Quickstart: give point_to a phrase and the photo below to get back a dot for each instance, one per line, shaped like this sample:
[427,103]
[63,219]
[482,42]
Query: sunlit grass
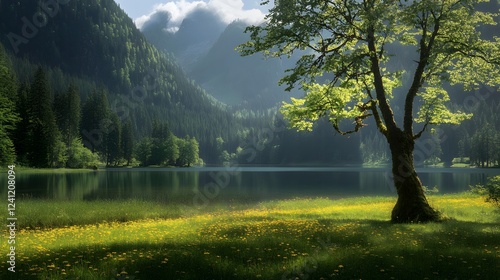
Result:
[35,213]
[285,239]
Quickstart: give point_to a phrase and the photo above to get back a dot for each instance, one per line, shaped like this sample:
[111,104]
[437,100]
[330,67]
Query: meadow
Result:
[303,238]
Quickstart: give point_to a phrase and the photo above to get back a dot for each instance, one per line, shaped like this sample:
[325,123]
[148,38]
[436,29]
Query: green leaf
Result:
[434,110]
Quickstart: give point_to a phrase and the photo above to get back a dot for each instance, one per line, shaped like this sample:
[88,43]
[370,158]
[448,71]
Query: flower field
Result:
[288,239]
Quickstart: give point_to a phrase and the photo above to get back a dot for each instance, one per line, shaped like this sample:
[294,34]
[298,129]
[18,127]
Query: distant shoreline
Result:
[138,168]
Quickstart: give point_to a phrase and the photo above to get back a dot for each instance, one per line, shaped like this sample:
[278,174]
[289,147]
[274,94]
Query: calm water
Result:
[200,185]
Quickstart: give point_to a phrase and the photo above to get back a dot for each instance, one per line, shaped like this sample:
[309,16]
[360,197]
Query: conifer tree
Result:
[95,122]
[113,138]
[8,115]
[21,141]
[127,141]
[42,130]
[68,113]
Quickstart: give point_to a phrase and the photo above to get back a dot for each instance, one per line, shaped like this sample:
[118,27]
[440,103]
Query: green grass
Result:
[285,239]
[42,214]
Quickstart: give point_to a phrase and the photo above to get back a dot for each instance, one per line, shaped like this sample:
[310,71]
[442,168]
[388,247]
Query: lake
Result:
[204,185]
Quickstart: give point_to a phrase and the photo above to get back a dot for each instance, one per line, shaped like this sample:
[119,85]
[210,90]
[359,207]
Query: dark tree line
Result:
[83,133]
[104,55]
[43,129]
[48,134]
[480,140]
[8,113]
[103,48]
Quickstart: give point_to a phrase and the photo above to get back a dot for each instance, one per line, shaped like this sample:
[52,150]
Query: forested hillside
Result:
[90,53]
[94,48]
[250,83]
[97,43]
[206,50]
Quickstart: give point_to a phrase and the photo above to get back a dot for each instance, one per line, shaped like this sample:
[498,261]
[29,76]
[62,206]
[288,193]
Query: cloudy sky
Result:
[228,10]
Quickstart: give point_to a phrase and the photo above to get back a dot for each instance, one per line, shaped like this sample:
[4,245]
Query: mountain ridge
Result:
[247,82]
[98,41]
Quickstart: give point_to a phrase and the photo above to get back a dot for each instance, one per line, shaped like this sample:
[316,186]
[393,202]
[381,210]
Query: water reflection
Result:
[74,186]
[221,184]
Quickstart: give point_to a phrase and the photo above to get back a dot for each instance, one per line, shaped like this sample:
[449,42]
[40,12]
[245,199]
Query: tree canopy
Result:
[348,51]
[8,115]
[350,68]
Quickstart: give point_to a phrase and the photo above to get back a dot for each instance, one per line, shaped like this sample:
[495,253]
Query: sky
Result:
[228,10]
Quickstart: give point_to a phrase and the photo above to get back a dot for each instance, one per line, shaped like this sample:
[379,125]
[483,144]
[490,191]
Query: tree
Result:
[127,141]
[81,157]
[373,149]
[497,150]
[58,157]
[171,149]
[188,151]
[349,72]
[193,151]
[21,133]
[483,146]
[159,134]
[8,115]
[68,114]
[43,134]
[113,140]
[95,122]
[143,150]
[183,152]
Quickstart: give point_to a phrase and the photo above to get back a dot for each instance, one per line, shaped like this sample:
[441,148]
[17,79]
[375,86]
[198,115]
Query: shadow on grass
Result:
[340,249]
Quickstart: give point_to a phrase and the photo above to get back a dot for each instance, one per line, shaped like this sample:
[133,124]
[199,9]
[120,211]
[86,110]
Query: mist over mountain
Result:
[192,41]
[205,46]
[250,82]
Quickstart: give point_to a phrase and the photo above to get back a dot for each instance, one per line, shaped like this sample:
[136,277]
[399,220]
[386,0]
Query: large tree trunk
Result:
[412,205]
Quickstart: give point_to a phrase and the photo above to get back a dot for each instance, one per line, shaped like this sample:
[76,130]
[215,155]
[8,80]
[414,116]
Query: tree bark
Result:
[412,205]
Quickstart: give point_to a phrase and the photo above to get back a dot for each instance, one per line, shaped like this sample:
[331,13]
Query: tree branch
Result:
[383,103]
[373,107]
[419,78]
[418,135]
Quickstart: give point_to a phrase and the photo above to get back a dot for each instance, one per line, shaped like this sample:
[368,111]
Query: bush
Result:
[429,191]
[478,189]
[465,160]
[81,157]
[59,155]
[434,160]
[491,190]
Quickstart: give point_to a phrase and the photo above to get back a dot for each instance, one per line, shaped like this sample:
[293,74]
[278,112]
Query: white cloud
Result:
[227,10]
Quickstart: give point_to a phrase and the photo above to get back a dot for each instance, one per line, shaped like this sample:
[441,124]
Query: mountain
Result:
[96,41]
[197,33]
[94,45]
[205,48]
[251,82]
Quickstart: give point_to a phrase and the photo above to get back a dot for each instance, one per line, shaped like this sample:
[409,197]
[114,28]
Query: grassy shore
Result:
[288,239]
